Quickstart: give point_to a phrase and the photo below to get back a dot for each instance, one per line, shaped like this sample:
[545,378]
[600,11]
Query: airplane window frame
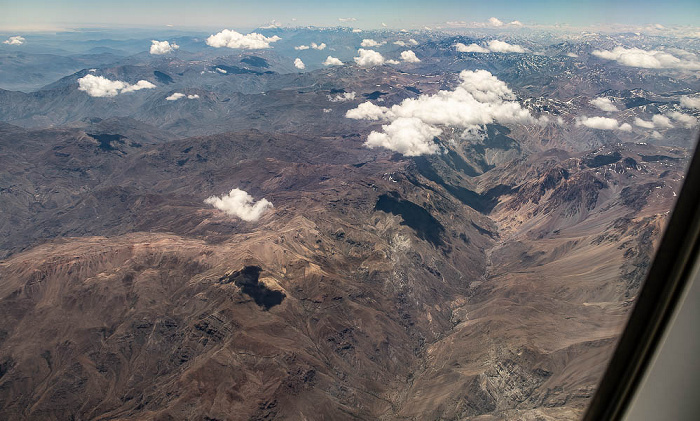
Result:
[665,283]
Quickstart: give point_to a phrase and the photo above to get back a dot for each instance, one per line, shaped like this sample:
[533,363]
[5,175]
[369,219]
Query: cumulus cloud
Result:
[371,43]
[497,46]
[345,96]
[603,123]
[408,136]
[162,47]
[100,86]
[493,46]
[357,31]
[572,55]
[492,22]
[650,59]
[177,95]
[299,64]
[233,39]
[332,61]
[240,204]
[319,47]
[141,84]
[369,111]
[604,104]
[690,102]
[302,47]
[471,48]
[657,122]
[495,22]
[688,121]
[409,57]
[406,43]
[347,19]
[220,70]
[368,58]
[16,40]
[480,99]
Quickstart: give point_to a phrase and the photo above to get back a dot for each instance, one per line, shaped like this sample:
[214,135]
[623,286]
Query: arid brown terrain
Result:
[378,287]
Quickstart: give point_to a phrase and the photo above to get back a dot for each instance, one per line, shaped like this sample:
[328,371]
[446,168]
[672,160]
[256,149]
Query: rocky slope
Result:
[487,284]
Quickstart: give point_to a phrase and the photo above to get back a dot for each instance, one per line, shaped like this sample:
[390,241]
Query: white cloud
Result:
[409,136]
[233,39]
[573,55]
[661,122]
[368,58]
[315,46]
[371,43]
[603,123]
[141,84]
[345,96]
[688,121]
[327,110]
[516,23]
[406,43]
[332,61]
[220,70]
[471,48]
[495,22]
[650,59]
[643,123]
[503,47]
[16,40]
[100,86]
[481,98]
[273,24]
[357,31]
[604,104]
[177,95]
[162,47]
[347,19]
[369,111]
[658,121]
[299,64]
[690,102]
[409,57]
[494,46]
[392,62]
[240,204]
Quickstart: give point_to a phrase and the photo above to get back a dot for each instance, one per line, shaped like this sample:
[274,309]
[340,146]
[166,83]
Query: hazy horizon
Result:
[41,15]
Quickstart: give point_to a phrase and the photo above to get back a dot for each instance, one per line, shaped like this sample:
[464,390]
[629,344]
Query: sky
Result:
[364,14]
